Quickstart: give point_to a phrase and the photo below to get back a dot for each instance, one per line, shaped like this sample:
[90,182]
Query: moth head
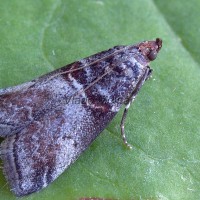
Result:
[150,49]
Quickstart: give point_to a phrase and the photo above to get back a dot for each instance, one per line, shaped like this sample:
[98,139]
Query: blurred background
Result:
[37,37]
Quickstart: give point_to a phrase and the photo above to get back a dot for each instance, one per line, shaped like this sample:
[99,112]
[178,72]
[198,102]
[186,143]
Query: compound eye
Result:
[152,55]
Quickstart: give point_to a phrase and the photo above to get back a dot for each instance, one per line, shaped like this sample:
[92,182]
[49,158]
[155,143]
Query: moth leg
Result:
[145,77]
[122,128]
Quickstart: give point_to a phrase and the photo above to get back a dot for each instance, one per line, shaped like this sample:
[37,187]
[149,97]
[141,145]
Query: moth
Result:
[48,122]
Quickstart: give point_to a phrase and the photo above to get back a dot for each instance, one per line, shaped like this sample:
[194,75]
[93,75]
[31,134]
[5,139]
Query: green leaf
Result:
[163,124]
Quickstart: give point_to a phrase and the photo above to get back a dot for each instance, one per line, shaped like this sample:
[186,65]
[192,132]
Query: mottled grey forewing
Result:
[60,129]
